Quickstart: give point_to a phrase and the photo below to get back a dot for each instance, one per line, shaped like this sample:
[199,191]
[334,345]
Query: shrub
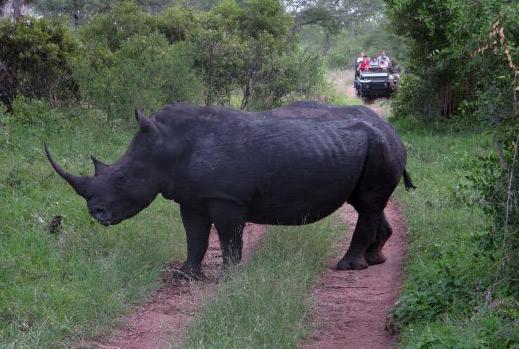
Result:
[176,22]
[293,75]
[415,98]
[116,26]
[36,55]
[146,72]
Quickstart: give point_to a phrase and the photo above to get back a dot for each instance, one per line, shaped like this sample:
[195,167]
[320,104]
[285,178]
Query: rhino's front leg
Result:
[198,225]
[229,219]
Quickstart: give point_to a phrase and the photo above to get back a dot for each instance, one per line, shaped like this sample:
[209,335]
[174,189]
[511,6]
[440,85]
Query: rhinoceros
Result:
[289,166]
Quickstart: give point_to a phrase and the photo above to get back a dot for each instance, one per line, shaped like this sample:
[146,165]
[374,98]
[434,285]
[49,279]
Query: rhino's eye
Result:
[120,178]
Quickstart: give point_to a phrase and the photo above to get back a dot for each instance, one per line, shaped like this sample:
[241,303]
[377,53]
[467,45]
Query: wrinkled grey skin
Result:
[290,166]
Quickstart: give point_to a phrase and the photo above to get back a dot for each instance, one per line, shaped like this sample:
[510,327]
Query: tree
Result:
[465,55]
[333,15]
[36,56]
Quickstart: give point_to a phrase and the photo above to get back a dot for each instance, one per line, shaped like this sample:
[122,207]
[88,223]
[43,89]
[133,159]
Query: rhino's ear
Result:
[98,165]
[145,124]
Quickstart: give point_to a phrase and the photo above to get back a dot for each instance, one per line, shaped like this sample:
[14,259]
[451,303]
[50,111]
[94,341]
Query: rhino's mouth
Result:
[109,222]
[105,223]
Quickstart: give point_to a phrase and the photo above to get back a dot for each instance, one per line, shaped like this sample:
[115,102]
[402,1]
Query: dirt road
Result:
[343,83]
[164,318]
[352,306]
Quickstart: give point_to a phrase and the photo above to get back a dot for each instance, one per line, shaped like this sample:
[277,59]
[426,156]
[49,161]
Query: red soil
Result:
[352,306]
[164,318]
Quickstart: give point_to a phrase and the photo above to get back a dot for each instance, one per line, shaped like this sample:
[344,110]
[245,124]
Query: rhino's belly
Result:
[298,209]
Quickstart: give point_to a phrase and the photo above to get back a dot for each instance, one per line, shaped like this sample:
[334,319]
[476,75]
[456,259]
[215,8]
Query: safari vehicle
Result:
[376,82]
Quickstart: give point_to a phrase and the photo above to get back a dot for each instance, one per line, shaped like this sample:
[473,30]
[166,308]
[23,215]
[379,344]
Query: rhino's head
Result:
[121,190]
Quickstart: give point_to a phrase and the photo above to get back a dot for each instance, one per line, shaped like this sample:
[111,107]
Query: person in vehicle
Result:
[358,61]
[374,62]
[383,57]
[364,65]
[383,63]
[360,58]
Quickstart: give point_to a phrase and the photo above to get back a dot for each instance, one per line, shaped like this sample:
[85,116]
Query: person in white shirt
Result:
[383,57]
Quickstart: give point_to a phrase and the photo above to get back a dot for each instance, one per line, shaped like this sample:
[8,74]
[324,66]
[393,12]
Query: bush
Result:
[116,26]
[176,22]
[415,98]
[36,56]
[145,72]
[290,76]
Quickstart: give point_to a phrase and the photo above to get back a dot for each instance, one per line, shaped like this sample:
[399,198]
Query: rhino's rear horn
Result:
[79,183]
[98,165]
[145,124]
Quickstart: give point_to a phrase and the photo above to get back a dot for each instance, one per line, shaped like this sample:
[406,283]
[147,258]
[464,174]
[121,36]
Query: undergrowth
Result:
[63,283]
[450,268]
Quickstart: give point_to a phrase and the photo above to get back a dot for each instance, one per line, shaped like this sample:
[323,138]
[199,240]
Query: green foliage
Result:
[208,55]
[116,26]
[451,46]
[414,98]
[37,55]
[81,8]
[450,267]
[63,286]
[30,112]
[287,78]
[146,71]
[176,22]
[464,56]
[236,46]
[369,38]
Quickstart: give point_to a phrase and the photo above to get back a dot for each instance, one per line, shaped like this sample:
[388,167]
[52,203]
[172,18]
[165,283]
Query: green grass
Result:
[265,304]
[448,268]
[57,288]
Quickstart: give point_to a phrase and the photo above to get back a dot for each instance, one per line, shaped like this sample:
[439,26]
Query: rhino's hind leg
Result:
[229,219]
[363,237]
[374,254]
[198,225]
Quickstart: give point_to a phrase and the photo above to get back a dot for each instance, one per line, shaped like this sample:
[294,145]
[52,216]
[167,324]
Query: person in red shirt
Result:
[364,65]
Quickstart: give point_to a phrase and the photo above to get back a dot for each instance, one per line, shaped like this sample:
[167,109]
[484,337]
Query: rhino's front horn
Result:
[98,165]
[79,183]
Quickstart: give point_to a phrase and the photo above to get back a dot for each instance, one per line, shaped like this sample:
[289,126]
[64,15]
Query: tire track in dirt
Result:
[164,318]
[352,306]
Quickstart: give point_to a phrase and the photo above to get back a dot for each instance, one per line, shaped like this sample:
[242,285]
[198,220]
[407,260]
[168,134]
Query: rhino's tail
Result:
[407,181]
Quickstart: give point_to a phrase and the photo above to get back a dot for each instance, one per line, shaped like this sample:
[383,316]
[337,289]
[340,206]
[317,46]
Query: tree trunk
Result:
[17,9]
[327,42]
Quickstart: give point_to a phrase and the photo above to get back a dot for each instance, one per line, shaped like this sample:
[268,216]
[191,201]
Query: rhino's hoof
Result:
[188,273]
[375,258]
[352,264]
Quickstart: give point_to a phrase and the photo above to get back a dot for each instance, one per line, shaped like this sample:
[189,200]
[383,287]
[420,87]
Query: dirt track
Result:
[352,306]
[164,318]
